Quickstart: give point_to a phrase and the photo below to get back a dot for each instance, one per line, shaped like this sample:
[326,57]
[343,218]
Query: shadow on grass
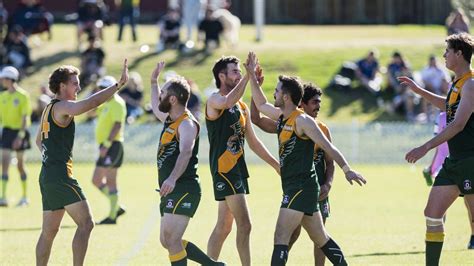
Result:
[32,228]
[51,60]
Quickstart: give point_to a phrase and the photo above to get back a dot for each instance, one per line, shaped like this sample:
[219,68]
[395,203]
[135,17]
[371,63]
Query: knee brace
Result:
[433,222]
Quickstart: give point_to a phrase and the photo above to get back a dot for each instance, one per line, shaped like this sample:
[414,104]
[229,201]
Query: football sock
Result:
[179,259]
[4,186]
[196,254]
[434,245]
[23,184]
[333,252]
[280,255]
[113,198]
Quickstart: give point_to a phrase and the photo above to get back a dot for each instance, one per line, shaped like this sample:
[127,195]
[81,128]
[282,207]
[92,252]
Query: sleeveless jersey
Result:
[168,152]
[296,152]
[57,142]
[462,145]
[319,156]
[226,139]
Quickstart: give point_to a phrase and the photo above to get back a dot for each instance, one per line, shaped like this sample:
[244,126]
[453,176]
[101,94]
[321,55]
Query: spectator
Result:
[32,16]
[403,99]
[212,28]
[368,73]
[17,52]
[129,11]
[92,62]
[43,100]
[230,23]
[91,16]
[169,30]
[457,22]
[191,10]
[436,80]
[3,19]
[194,102]
[132,93]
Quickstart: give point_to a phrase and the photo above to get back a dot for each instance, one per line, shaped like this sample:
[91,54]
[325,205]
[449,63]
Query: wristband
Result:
[21,134]
[107,144]
[346,169]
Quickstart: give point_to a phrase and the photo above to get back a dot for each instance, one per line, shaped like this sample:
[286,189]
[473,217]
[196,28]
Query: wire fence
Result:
[373,143]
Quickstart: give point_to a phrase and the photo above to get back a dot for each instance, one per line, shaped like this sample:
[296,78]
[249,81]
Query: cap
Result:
[106,82]
[9,72]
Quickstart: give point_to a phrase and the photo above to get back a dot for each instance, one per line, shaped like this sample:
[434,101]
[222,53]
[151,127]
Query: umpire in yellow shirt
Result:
[109,135]
[15,111]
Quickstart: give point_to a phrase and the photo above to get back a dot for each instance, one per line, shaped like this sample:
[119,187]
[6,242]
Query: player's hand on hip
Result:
[103,151]
[353,176]
[416,154]
[167,187]
[17,143]
[324,192]
[124,78]
[156,72]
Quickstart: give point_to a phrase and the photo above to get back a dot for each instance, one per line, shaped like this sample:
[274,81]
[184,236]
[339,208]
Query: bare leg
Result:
[319,257]
[221,230]
[81,214]
[238,206]
[51,223]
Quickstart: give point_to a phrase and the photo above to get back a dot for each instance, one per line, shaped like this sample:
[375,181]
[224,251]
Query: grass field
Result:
[379,224]
[314,53]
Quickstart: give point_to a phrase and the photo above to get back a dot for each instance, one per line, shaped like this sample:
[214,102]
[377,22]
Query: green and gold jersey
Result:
[226,139]
[56,141]
[319,156]
[168,152]
[13,106]
[110,112]
[462,145]
[296,152]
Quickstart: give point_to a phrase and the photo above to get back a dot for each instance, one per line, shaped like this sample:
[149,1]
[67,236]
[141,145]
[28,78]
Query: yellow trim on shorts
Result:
[75,191]
[178,256]
[435,237]
[179,201]
[228,181]
[294,197]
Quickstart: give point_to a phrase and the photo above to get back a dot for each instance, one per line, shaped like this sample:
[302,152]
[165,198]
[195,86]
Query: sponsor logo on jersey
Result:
[220,186]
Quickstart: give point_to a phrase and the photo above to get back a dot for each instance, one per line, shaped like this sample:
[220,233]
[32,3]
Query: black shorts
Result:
[8,137]
[459,173]
[113,158]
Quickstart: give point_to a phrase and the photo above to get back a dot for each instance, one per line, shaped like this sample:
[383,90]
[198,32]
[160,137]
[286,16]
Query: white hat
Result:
[106,82]
[9,72]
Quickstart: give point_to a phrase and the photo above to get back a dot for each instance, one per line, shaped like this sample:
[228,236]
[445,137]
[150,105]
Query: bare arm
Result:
[266,124]
[326,187]
[434,99]
[113,132]
[257,146]
[38,137]
[307,126]
[464,111]
[73,108]
[188,131]
[221,102]
[257,94]
[156,91]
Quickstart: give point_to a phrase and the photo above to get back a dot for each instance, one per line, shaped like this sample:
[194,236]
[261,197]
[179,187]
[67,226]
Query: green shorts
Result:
[114,156]
[301,197]
[457,172]
[183,203]
[324,207]
[56,195]
[227,185]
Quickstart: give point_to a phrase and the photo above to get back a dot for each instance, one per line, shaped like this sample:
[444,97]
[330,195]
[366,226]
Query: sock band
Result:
[178,256]
[435,237]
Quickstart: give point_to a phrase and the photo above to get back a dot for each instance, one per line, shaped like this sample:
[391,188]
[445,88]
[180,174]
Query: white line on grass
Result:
[143,237]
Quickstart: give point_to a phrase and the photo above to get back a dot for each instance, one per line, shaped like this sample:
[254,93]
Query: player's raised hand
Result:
[167,187]
[259,74]
[416,154]
[251,63]
[124,78]
[156,72]
[404,80]
[353,176]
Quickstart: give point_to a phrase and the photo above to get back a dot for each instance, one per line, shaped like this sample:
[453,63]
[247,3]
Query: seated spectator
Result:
[32,16]
[91,17]
[169,31]
[457,22]
[194,102]
[43,100]
[132,93]
[368,73]
[212,29]
[129,10]
[3,19]
[436,80]
[17,52]
[92,62]
[230,23]
[404,99]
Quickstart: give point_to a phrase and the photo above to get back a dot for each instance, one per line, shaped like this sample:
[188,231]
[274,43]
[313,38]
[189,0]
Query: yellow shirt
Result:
[110,112]
[13,106]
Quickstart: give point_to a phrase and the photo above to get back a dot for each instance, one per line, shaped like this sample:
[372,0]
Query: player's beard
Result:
[165,105]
